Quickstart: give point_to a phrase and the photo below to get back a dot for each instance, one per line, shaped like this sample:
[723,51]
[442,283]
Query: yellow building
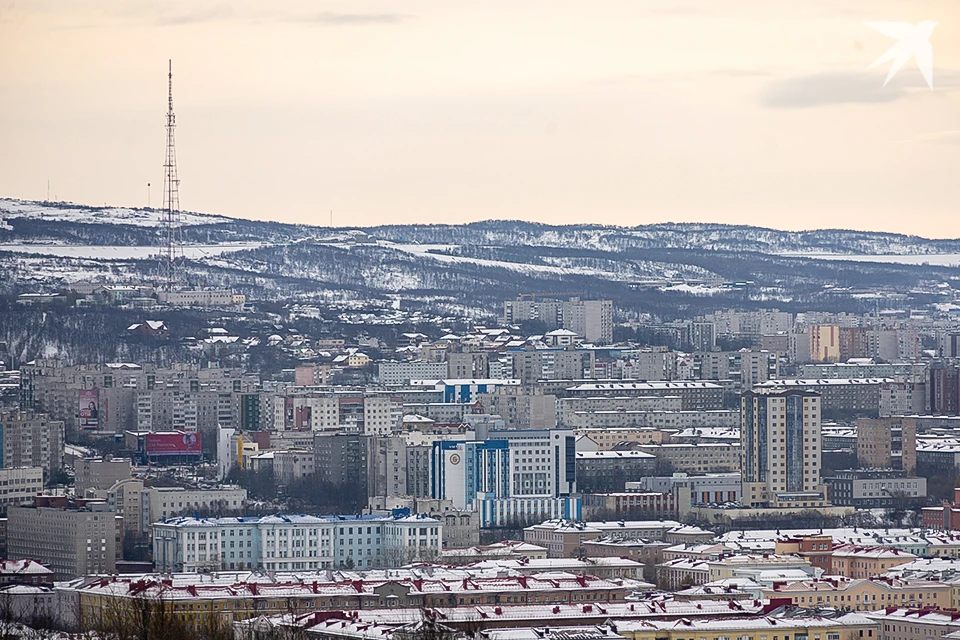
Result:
[846,627]
[865,595]
[851,561]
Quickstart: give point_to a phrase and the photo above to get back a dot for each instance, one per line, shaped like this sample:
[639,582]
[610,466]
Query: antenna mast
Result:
[171,259]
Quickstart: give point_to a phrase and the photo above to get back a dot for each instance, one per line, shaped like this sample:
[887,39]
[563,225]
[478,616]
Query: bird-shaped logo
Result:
[913,41]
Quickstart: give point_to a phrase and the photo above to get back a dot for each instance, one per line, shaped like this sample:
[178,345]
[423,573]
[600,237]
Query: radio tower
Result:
[171,258]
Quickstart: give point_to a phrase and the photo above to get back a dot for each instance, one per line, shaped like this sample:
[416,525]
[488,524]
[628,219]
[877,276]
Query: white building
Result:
[294,542]
[397,373]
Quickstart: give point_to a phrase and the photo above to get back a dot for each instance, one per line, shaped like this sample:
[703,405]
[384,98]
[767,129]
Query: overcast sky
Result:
[608,111]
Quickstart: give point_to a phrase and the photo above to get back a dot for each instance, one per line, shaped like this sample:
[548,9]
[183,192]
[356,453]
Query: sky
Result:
[623,112]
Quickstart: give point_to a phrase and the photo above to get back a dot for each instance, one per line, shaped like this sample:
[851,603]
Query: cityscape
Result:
[382,422]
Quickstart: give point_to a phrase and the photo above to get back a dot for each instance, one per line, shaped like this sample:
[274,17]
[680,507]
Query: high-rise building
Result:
[780,448]
[887,443]
[73,539]
[591,319]
[512,476]
[30,439]
[824,343]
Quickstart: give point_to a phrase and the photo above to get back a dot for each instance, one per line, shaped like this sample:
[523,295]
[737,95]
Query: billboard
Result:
[89,409]
[172,444]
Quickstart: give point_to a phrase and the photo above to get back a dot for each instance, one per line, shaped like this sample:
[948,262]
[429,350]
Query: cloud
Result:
[949,137]
[346,19]
[148,14]
[848,87]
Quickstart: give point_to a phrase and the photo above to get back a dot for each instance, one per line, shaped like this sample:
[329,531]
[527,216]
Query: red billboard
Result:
[172,444]
[89,408]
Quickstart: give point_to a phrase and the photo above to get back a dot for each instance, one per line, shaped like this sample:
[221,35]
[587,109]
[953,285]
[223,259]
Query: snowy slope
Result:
[69,212]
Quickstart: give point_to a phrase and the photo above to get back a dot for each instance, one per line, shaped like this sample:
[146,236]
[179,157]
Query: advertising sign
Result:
[89,409]
[172,444]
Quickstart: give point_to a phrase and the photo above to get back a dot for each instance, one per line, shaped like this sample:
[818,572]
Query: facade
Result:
[71,541]
[694,395]
[30,439]
[565,538]
[780,438]
[512,476]
[871,594]
[125,498]
[887,443]
[943,518]
[97,473]
[19,485]
[521,410]
[704,489]
[345,459]
[845,396]
[707,457]
[634,504]
[398,373]
[294,542]
[851,561]
[609,471]
[591,319]
[292,465]
[160,503]
[873,488]
[232,596]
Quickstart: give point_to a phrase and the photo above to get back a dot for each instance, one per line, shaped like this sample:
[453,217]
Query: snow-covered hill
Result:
[69,212]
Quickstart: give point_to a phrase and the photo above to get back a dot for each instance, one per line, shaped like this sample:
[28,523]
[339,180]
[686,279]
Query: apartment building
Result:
[30,439]
[591,319]
[71,539]
[521,410]
[780,440]
[160,503]
[294,542]
[567,407]
[100,474]
[609,471]
[842,396]
[887,443]
[694,395]
[19,485]
[393,373]
[653,419]
[291,465]
[125,498]
[598,439]
[706,457]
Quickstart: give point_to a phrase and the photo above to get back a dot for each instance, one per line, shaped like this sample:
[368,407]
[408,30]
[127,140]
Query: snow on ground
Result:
[694,289]
[423,251]
[111,252]
[941,259]
[69,212]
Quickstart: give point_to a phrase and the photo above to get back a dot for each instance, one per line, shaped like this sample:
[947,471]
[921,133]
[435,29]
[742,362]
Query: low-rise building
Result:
[873,488]
[871,594]
[292,542]
[564,538]
[852,561]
